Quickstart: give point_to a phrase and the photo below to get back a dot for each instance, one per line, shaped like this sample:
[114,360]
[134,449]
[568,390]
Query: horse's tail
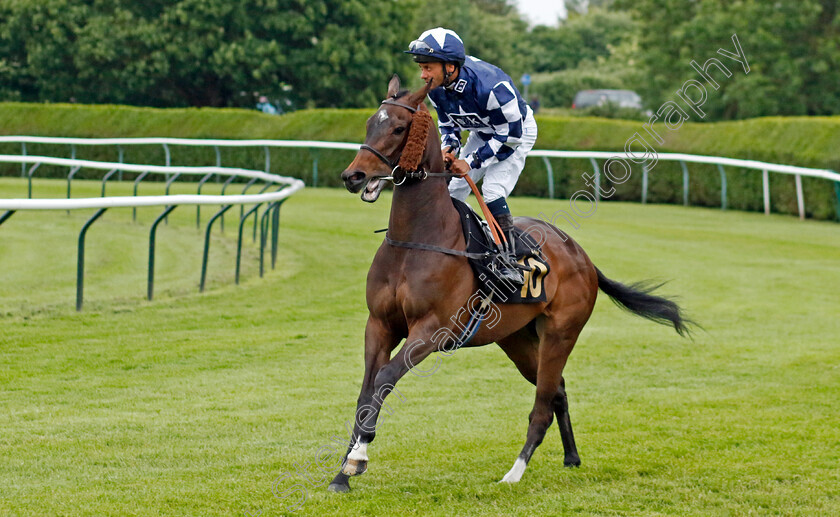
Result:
[637,299]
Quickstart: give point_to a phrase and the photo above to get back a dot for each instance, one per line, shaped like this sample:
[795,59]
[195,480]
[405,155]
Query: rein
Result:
[409,166]
[412,154]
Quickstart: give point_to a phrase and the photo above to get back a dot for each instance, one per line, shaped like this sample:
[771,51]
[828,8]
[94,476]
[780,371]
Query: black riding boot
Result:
[509,269]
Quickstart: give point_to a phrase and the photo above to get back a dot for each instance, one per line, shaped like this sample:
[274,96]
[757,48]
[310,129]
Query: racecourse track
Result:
[201,404]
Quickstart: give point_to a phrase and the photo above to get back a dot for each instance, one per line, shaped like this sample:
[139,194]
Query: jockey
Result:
[469,94]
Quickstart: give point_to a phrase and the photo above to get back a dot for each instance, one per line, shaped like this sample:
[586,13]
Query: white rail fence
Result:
[764,167]
[283,187]
[593,156]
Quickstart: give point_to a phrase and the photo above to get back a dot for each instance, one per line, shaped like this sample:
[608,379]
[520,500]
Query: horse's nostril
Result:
[353,176]
[353,180]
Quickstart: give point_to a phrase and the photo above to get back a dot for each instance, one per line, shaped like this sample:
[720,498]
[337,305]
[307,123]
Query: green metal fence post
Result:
[31,172]
[722,187]
[800,197]
[80,269]
[224,187]
[837,198]
[72,173]
[198,192]
[106,178]
[275,232]
[207,245]
[6,215]
[239,240]
[765,187]
[550,173]
[136,184]
[168,184]
[597,172]
[247,186]
[150,287]
[266,187]
[264,237]
[120,158]
[168,158]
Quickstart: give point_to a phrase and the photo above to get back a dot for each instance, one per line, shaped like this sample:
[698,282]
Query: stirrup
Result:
[512,276]
[508,254]
[509,270]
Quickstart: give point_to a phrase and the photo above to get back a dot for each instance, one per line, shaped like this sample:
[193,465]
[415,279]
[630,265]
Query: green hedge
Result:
[804,141]
[102,121]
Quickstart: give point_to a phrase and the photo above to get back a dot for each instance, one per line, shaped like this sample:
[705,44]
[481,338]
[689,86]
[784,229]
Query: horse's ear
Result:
[418,96]
[393,85]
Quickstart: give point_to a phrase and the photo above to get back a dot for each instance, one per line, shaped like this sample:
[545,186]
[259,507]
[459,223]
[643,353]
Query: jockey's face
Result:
[434,72]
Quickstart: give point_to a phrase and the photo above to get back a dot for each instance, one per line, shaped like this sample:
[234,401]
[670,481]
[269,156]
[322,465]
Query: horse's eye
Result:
[399,131]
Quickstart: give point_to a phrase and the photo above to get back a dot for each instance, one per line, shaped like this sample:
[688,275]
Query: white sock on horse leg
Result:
[359,452]
[515,473]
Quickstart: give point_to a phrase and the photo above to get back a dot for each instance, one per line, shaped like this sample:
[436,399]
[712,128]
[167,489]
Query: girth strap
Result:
[430,247]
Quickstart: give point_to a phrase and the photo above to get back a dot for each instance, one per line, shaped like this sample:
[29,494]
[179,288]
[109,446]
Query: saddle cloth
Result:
[528,253]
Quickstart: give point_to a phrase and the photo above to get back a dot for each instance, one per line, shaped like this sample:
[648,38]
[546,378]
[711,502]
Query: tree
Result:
[791,46]
[576,6]
[581,7]
[492,30]
[14,80]
[581,38]
[200,52]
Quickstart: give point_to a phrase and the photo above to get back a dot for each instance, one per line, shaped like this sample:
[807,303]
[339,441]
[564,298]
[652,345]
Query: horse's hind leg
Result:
[521,348]
[561,409]
[556,343]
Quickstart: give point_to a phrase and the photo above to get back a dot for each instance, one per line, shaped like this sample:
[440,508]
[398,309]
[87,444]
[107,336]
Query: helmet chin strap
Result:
[447,75]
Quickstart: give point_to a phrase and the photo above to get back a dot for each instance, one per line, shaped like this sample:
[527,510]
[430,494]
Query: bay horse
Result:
[413,294]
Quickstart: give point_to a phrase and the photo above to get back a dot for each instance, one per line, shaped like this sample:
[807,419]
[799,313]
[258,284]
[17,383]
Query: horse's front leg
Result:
[379,341]
[368,411]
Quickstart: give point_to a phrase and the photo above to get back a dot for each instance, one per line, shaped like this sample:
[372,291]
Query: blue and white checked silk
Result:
[484,101]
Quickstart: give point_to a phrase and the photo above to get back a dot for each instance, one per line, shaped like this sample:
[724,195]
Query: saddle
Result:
[484,260]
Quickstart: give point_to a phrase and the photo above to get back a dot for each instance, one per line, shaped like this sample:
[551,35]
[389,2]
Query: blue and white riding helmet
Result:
[438,44]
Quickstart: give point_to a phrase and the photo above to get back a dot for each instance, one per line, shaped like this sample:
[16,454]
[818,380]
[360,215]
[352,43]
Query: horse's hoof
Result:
[339,488]
[354,467]
[572,462]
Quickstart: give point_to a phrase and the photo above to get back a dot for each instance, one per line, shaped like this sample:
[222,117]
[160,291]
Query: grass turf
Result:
[194,404]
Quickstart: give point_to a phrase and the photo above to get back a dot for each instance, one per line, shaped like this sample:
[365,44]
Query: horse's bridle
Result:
[419,174]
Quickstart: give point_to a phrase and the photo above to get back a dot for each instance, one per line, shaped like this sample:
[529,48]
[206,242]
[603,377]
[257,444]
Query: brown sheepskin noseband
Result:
[415,145]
